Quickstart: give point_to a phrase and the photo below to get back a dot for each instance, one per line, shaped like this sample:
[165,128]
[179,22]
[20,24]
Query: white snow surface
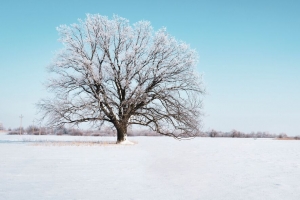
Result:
[154,168]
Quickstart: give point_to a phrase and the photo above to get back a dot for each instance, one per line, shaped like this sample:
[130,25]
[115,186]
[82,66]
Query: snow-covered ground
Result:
[155,168]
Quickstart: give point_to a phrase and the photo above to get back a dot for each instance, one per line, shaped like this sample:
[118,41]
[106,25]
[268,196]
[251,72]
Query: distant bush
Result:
[13,132]
[16,131]
[35,130]
[96,134]
[31,130]
[282,135]
[297,137]
[75,132]
[213,133]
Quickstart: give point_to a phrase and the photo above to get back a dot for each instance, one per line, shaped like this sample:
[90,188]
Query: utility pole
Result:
[21,124]
[33,127]
[40,129]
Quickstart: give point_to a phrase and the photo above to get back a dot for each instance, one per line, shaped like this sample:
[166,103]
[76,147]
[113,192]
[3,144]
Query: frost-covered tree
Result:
[112,72]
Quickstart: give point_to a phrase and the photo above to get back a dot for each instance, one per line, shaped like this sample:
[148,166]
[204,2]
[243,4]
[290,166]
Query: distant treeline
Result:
[239,134]
[107,131]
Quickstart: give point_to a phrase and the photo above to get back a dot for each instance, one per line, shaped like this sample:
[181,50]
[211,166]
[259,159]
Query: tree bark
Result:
[121,133]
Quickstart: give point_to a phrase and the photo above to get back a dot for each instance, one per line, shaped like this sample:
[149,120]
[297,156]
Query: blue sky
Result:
[249,55]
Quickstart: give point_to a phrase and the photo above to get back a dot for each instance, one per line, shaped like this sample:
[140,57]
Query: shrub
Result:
[297,137]
[13,132]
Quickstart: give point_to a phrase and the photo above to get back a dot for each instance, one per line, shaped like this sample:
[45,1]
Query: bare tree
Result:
[112,72]
[1,127]
[213,133]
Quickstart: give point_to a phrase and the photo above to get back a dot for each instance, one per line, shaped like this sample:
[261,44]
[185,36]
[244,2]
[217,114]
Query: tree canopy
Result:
[112,72]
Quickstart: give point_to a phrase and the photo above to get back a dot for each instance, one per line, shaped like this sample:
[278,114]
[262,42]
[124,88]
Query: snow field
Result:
[154,168]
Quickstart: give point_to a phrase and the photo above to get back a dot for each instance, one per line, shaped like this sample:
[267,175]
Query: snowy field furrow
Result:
[154,168]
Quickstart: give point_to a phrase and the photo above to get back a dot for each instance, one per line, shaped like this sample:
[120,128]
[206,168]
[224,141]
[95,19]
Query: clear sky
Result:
[249,55]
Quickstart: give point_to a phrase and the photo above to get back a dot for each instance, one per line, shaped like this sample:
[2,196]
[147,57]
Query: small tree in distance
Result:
[112,72]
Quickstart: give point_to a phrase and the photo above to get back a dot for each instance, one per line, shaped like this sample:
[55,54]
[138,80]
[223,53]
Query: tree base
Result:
[127,142]
[124,140]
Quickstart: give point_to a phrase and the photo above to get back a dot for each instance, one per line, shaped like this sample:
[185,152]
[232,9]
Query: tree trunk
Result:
[122,135]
